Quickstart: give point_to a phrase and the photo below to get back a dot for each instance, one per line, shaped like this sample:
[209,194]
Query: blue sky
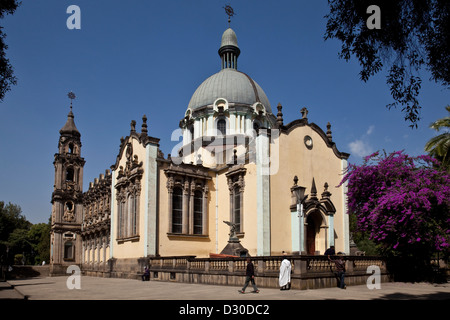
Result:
[148,57]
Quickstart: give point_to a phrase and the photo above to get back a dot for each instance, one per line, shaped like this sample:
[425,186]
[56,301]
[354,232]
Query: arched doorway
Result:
[313,224]
[310,236]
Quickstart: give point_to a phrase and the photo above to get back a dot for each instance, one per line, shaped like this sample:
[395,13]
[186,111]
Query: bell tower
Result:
[67,205]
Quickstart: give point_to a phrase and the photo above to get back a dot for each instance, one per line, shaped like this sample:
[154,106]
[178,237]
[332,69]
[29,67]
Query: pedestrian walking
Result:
[340,269]
[249,276]
[284,279]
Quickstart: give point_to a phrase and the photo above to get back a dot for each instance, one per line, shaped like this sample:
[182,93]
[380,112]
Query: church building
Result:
[239,173]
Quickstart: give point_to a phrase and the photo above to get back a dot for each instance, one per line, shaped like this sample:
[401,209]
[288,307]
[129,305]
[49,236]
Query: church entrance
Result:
[310,236]
[314,222]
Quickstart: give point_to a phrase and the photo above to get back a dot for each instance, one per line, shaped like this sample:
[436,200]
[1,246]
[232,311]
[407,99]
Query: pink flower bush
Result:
[400,201]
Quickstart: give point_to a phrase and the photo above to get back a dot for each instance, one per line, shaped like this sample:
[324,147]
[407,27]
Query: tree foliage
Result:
[18,236]
[439,146]
[7,78]
[413,34]
[402,202]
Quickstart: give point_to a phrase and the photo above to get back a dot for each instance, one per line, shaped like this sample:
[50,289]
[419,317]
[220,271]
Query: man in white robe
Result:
[285,274]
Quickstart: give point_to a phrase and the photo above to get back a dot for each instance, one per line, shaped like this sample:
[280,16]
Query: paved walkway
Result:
[93,288]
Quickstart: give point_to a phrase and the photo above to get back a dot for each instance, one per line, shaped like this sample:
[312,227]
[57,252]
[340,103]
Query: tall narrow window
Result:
[237,208]
[191,130]
[198,212]
[177,211]
[121,213]
[131,216]
[221,127]
[135,215]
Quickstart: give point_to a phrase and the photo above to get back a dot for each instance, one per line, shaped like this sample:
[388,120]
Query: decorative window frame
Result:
[191,181]
[128,191]
[236,186]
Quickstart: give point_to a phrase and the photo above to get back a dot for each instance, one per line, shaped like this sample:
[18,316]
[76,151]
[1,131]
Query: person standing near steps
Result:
[285,273]
[249,276]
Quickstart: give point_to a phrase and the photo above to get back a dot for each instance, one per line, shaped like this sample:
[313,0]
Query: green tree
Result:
[13,229]
[7,78]
[439,146]
[414,34]
[39,238]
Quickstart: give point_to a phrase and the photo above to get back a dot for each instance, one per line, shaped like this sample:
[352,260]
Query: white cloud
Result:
[360,148]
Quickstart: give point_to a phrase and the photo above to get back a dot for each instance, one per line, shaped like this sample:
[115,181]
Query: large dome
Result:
[229,83]
[235,86]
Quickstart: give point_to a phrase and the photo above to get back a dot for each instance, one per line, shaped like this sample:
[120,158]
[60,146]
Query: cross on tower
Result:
[230,12]
[71,96]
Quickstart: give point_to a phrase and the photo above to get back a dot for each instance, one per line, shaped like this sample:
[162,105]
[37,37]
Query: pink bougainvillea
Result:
[400,201]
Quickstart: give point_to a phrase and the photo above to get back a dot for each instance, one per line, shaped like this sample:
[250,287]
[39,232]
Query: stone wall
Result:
[308,272]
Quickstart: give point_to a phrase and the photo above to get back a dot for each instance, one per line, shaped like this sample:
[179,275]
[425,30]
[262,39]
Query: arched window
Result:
[69,205]
[198,212]
[71,148]
[69,174]
[177,210]
[221,127]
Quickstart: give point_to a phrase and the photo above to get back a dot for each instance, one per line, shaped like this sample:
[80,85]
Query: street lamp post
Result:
[300,196]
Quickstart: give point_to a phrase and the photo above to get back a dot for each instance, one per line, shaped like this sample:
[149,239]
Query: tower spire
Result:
[70,128]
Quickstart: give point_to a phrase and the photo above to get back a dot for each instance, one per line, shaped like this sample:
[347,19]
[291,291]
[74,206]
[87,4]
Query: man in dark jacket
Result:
[340,270]
[250,276]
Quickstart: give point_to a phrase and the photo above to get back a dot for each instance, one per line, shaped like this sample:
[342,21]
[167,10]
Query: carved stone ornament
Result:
[69,212]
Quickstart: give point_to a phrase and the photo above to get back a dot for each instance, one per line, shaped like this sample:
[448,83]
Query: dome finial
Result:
[230,12]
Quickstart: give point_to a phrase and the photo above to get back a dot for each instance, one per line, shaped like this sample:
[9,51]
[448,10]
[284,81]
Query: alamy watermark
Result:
[374,280]
[73,281]
[260,147]
[374,21]
[74,20]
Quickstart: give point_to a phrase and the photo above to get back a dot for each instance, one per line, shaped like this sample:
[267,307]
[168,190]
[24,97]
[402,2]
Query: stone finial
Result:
[304,112]
[199,160]
[279,115]
[329,132]
[235,156]
[313,190]
[133,126]
[326,193]
[144,125]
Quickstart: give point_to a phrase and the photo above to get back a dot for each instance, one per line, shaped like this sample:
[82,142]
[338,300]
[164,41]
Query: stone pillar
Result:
[185,220]
[263,194]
